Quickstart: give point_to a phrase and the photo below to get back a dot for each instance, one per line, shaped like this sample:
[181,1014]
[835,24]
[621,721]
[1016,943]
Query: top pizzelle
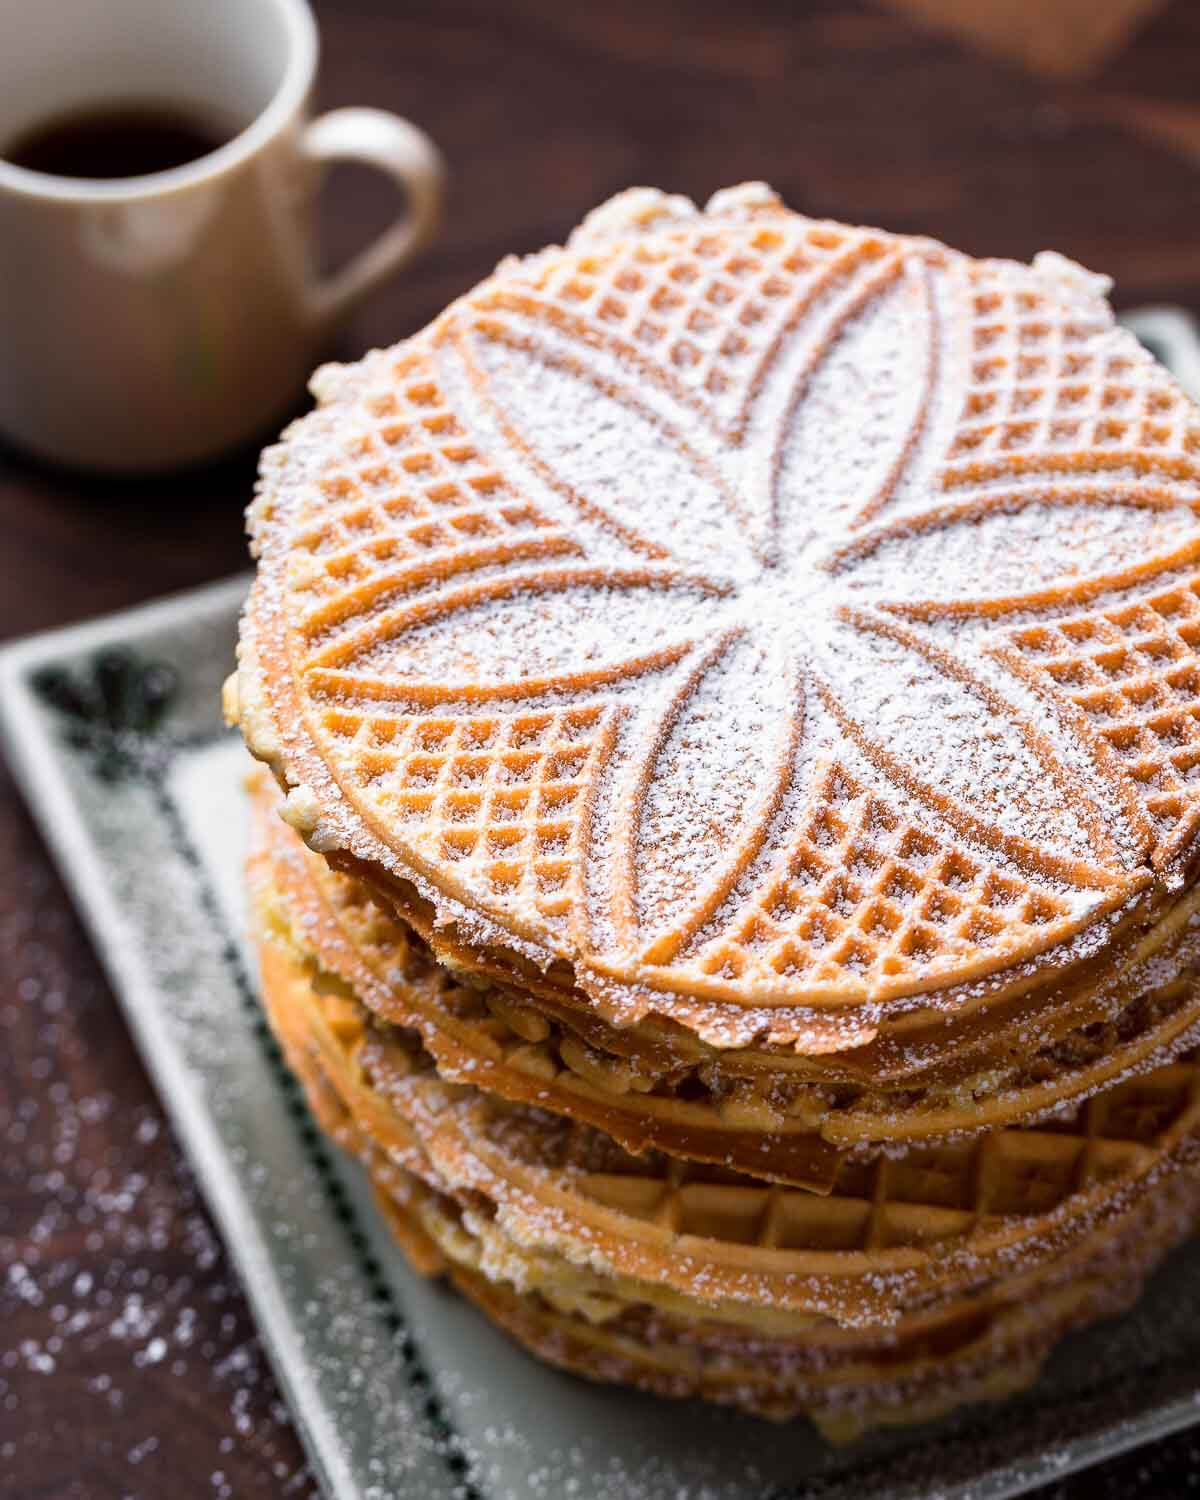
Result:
[765,624]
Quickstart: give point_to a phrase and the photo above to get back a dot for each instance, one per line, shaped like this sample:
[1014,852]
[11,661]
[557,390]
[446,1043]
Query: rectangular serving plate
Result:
[398,1389]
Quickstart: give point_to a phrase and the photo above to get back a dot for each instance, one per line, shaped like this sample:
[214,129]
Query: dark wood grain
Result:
[542,109]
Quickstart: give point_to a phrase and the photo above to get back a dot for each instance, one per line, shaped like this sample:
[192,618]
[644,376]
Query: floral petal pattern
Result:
[512,637]
[576,428]
[947,737]
[851,414]
[714,766]
[699,313]
[736,610]
[1012,552]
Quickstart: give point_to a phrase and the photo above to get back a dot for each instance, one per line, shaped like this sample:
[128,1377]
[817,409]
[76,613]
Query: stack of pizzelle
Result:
[732,694]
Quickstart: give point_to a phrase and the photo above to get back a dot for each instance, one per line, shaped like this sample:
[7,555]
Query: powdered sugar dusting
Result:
[711,427]
[117,1303]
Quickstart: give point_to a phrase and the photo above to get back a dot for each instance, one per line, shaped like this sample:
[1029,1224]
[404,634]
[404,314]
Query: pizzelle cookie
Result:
[766,1116]
[737,679]
[920,1283]
[894,1235]
[763,626]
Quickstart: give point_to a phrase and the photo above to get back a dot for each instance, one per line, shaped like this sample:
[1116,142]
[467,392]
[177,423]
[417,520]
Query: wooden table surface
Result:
[129,1365]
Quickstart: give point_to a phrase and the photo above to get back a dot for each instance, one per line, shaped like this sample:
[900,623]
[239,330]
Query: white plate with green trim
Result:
[399,1390]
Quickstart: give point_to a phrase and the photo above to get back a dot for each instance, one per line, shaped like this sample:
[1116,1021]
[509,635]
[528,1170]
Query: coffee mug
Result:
[147,322]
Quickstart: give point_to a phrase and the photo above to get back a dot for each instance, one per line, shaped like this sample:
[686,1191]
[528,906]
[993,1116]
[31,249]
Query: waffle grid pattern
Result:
[1135,673]
[845,1380]
[925,1201]
[868,891]
[930,1195]
[681,1092]
[708,307]
[411,498]
[997,1196]
[1046,392]
[506,793]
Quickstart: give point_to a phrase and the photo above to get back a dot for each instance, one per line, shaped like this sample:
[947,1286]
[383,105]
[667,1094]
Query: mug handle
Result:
[375,138]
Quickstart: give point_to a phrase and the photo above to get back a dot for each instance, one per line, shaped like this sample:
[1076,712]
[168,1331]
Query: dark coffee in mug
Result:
[117,140]
[149,318]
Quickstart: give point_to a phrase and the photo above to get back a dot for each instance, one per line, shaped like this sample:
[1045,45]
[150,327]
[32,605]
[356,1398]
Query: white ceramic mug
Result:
[152,321]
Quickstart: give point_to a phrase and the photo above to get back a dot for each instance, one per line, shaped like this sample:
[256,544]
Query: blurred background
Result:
[128,1362]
